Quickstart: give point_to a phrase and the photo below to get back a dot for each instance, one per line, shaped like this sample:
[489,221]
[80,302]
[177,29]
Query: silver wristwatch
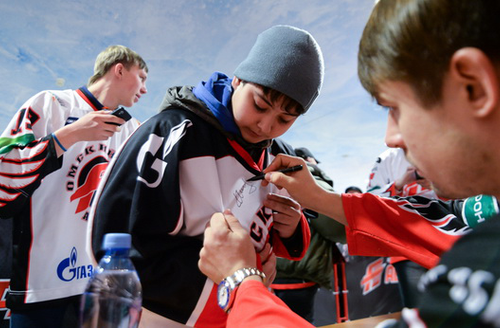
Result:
[227,288]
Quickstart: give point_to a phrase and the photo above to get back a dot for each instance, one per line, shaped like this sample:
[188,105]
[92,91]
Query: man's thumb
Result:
[231,220]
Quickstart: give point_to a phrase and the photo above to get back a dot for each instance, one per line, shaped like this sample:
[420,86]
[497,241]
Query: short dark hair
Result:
[353,189]
[291,106]
[413,41]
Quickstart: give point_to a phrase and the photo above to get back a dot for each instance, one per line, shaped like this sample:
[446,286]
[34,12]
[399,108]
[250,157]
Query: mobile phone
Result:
[121,113]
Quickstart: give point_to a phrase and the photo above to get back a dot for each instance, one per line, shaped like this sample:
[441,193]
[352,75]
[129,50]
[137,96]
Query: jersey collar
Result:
[90,99]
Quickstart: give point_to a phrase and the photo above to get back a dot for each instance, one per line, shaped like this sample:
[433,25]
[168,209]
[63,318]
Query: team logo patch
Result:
[478,209]
[87,183]
[152,168]
[4,288]
[84,176]
[68,270]
[378,272]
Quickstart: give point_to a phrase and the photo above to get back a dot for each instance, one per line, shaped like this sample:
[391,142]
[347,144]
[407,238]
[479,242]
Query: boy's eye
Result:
[259,109]
[283,121]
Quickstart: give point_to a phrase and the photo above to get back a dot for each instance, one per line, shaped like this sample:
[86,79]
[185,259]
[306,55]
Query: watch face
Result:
[223,294]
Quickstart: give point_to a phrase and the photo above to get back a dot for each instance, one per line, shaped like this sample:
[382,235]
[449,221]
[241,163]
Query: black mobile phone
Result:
[121,113]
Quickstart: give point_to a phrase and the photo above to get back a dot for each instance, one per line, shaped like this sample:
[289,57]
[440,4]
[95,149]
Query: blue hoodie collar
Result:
[216,93]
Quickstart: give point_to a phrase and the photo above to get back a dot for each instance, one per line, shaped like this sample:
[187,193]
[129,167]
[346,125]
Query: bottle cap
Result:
[116,240]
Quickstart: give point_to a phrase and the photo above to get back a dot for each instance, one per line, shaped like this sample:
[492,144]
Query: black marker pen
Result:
[288,169]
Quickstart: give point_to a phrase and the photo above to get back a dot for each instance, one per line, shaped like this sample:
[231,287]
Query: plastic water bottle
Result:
[113,297]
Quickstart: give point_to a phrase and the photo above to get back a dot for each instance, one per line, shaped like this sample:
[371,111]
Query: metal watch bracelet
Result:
[228,286]
[237,277]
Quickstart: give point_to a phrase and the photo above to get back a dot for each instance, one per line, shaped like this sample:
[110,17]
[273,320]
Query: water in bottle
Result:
[113,296]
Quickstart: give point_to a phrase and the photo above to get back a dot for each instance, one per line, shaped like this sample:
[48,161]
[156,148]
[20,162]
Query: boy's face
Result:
[437,141]
[132,85]
[257,118]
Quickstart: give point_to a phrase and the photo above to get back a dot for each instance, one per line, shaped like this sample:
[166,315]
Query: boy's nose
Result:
[265,125]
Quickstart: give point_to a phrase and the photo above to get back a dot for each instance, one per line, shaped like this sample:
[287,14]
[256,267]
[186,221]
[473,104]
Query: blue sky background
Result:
[52,44]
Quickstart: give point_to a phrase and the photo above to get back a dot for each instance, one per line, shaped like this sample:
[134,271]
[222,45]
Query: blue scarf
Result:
[216,94]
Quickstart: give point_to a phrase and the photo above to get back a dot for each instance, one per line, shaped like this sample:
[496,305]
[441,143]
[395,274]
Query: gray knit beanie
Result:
[286,59]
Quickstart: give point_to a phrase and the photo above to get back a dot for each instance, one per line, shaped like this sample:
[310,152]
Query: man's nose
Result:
[393,137]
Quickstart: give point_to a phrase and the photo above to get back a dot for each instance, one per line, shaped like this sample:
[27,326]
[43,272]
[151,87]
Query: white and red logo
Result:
[4,288]
[85,174]
[376,273]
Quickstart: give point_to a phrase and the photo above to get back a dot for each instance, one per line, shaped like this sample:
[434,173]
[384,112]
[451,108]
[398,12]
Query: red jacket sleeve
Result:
[255,306]
[293,254]
[418,228]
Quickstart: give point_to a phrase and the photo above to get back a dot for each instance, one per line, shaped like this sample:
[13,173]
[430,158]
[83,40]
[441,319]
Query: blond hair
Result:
[113,55]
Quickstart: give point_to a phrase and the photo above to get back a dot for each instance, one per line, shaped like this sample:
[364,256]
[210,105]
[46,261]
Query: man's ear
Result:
[118,70]
[478,79]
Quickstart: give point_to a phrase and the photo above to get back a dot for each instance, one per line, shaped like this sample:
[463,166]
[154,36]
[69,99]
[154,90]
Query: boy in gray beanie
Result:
[288,60]
[193,159]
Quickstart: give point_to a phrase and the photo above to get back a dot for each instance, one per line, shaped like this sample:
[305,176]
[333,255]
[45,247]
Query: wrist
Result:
[58,142]
[226,292]
[331,205]
[252,278]
[317,198]
[66,135]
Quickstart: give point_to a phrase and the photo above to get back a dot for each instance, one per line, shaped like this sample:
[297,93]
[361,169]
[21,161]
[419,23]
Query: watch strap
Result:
[238,276]
[231,283]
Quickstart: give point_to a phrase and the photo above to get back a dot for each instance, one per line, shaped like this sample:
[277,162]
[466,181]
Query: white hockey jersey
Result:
[390,166]
[49,197]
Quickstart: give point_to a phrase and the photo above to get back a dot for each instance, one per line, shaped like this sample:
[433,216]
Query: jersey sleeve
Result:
[417,228]
[462,290]
[27,155]
[133,195]
[296,247]
[255,306]
[140,195]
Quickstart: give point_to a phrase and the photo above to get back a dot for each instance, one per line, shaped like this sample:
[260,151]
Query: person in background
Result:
[194,158]
[52,155]
[444,111]
[5,267]
[392,175]
[312,164]
[353,190]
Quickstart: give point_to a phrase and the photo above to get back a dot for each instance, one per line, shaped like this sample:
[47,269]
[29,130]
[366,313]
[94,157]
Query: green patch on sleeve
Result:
[6,144]
[478,209]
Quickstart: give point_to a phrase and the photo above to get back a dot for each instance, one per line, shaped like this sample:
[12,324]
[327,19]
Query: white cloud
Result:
[183,42]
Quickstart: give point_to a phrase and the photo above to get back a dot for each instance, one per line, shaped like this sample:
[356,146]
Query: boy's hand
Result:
[286,214]
[226,248]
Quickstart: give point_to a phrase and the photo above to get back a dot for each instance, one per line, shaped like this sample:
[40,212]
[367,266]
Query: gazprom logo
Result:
[68,271]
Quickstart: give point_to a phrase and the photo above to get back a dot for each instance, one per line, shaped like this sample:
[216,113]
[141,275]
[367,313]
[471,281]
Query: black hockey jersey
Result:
[175,171]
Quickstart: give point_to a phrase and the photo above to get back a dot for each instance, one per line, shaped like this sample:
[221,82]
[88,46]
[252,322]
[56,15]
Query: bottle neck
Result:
[116,259]
[117,252]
